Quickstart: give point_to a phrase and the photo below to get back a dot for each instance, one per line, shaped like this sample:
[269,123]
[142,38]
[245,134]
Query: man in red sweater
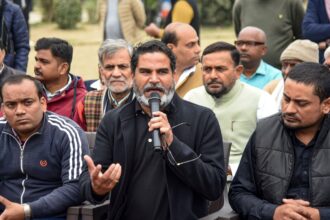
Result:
[62,89]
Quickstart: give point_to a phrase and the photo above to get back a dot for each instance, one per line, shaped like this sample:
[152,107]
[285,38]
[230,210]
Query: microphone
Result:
[154,102]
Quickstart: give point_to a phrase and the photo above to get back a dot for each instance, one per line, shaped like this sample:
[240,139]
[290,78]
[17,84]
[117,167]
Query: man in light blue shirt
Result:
[251,44]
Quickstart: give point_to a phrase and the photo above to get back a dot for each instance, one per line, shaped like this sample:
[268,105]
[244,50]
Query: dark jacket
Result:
[18,36]
[6,72]
[316,23]
[264,174]
[65,102]
[43,171]
[189,185]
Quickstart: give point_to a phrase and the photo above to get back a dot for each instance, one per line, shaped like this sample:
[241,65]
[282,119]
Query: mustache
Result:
[157,86]
[214,81]
[121,79]
[292,115]
[37,72]
[244,54]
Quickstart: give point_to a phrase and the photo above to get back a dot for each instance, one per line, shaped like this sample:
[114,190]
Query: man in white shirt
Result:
[237,106]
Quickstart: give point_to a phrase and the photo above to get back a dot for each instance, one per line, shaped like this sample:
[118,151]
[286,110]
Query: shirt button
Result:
[305,173]
[149,140]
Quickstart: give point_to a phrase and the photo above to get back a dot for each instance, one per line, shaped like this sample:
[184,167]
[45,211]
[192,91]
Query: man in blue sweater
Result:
[316,24]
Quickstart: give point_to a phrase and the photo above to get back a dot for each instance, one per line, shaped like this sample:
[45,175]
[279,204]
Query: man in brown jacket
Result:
[183,40]
[124,19]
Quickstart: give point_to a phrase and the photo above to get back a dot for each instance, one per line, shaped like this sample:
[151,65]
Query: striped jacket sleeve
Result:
[74,144]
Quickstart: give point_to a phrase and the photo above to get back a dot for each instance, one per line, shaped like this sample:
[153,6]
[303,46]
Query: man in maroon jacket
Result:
[62,89]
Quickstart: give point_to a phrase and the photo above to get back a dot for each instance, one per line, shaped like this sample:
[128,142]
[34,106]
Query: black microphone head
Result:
[154,97]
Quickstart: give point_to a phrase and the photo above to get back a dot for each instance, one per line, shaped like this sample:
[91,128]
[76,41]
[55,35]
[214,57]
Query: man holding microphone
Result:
[174,182]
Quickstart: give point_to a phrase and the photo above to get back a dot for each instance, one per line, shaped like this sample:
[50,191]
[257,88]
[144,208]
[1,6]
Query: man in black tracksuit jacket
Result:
[40,155]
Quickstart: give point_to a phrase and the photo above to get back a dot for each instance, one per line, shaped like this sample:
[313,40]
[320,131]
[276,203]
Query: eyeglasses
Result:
[240,43]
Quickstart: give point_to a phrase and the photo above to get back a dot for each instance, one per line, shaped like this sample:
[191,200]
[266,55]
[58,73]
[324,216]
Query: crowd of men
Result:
[161,113]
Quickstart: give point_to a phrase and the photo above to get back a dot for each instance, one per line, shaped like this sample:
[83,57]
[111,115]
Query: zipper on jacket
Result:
[22,147]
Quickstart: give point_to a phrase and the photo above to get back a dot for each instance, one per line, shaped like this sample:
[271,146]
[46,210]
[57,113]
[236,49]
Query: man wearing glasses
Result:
[251,44]
[116,75]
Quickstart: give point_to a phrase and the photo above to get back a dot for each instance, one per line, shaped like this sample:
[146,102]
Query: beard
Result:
[220,92]
[165,99]
[217,94]
[118,89]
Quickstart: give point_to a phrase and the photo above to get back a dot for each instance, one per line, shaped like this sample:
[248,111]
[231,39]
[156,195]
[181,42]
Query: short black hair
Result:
[18,79]
[223,46]
[58,47]
[314,74]
[152,46]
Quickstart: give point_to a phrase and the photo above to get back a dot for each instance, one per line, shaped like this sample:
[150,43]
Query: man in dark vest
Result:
[185,11]
[284,171]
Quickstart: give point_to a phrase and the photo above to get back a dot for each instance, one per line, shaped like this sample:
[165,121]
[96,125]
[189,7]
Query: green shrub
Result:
[67,13]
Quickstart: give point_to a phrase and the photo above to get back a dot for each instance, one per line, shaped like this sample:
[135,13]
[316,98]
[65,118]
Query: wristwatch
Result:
[27,211]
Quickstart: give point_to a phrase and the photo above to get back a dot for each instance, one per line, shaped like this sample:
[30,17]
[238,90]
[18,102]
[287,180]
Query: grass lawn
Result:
[87,38]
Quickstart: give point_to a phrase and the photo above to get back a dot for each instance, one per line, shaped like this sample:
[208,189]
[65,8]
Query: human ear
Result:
[326,106]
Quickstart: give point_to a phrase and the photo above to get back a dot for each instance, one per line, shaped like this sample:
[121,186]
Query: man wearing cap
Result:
[297,52]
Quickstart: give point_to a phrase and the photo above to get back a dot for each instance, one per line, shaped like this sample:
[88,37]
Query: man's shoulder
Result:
[94,94]
[11,71]
[270,120]
[195,93]
[77,82]
[123,112]
[3,122]
[271,70]
[270,87]
[248,90]
[61,123]
[190,108]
